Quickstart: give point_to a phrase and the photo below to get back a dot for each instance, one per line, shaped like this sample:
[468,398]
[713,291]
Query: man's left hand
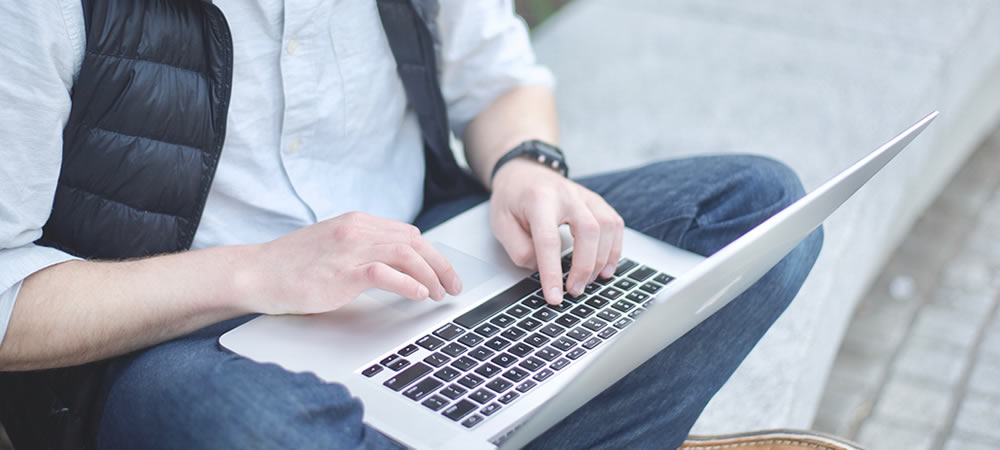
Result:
[530,202]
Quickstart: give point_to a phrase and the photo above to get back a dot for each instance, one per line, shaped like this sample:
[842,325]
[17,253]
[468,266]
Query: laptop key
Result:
[560,363]
[622,323]
[637,297]
[482,396]
[574,298]
[470,339]
[609,315]
[611,293]
[623,306]
[544,315]
[513,333]
[663,278]
[592,342]
[543,375]
[435,402]
[579,334]
[420,390]
[497,343]
[453,392]
[552,330]
[515,374]
[502,321]
[641,274]
[488,329]
[651,287]
[596,302]
[389,359]
[447,374]
[532,364]
[436,359]
[625,284]
[518,311]
[470,381]
[487,370]
[499,385]
[529,324]
[564,343]
[591,288]
[472,421]
[464,363]
[398,364]
[548,353]
[533,302]
[430,342]
[459,410]
[636,313]
[562,306]
[408,350]
[576,353]
[624,266]
[521,349]
[448,332]
[594,324]
[404,378]
[537,340]
[490,409]
[582,311]
[504,360]
[508,397]
[371,371]
[482,353]
[526,386]
[568,320]
[607,333]
[454,349]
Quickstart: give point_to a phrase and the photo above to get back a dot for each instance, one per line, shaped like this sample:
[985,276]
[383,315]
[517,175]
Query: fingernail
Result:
[456,286]
[609,270]
[422,292]
[555,293]
[577,288]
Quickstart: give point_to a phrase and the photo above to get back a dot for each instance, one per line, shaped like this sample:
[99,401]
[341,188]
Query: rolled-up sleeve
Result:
[485,51]
[42,46]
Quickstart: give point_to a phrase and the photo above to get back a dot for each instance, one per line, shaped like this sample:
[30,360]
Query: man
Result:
[320,175]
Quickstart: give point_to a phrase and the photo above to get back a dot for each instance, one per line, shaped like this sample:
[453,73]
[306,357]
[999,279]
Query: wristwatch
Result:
[545,154]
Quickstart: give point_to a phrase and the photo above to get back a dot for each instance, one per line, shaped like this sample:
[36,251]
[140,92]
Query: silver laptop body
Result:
[395,354]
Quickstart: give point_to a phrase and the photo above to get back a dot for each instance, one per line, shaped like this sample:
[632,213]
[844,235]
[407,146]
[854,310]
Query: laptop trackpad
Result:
[471,270]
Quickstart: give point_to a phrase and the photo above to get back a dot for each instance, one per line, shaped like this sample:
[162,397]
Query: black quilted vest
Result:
[141,147]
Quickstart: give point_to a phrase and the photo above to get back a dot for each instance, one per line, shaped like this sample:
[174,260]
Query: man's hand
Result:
[324,266]
[528,204]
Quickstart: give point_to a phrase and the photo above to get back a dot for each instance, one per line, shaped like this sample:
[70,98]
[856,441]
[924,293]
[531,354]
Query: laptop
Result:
[495,366]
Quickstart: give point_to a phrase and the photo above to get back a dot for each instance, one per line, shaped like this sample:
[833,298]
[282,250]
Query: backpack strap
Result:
[412,47]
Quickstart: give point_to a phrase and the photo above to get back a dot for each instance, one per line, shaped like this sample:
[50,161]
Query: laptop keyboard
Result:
[485,359]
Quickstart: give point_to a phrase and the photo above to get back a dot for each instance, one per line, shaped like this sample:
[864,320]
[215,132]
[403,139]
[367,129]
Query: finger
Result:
[442,268]
[405,259]
[515,240]
[612,229]
[586,240]
[380,275]
[615,254]
[545,237]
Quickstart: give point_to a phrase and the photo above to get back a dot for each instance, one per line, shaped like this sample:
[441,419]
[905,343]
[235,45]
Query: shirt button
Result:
[293,46]
[294,147]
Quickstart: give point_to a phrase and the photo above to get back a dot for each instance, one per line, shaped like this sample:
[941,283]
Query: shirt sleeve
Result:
[485,51]
[42,47]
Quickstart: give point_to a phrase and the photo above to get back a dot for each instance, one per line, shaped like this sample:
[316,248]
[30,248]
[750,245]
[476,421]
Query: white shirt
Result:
[318,122]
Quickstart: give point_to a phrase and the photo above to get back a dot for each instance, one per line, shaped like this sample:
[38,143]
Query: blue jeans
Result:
[190,393]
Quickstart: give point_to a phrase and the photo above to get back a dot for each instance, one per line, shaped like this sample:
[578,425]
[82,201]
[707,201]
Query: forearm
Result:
[521,114]
[81,311]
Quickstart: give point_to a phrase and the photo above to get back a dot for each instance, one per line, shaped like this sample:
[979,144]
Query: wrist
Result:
[534,152]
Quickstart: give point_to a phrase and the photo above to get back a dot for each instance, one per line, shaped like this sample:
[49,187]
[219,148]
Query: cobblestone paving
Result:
[919,367]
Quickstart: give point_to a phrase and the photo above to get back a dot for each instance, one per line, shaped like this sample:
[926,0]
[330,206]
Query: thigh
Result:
[190,393]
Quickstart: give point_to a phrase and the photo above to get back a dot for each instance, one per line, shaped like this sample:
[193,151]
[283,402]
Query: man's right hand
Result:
[324,266]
